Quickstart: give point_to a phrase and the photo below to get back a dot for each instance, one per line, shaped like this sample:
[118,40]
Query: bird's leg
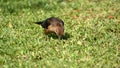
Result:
[59,37]
[46,33]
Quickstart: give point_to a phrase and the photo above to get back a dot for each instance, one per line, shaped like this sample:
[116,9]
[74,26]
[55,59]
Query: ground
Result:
[91,40]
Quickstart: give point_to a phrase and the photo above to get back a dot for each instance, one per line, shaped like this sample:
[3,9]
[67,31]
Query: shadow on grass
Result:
[64,37]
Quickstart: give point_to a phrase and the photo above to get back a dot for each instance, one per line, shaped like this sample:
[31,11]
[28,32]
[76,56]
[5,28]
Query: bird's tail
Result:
[39,23]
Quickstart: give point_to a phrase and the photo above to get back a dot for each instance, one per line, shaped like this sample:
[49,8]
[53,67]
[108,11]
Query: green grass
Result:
[91,40]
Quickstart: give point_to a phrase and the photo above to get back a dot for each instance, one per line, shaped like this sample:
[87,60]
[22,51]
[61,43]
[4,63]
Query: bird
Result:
[52,25]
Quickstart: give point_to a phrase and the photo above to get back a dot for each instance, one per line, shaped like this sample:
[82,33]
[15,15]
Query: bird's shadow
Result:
[64,37]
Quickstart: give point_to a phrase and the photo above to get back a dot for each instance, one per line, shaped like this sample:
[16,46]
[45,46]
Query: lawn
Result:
[91,40]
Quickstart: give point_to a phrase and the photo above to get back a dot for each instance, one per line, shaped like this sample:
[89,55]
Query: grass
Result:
[92,34]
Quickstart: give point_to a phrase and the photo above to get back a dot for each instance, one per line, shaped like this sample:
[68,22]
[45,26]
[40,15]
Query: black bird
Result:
[53,25]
